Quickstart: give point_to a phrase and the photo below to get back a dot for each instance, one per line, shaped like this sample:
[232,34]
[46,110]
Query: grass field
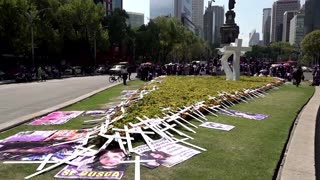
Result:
[250,151]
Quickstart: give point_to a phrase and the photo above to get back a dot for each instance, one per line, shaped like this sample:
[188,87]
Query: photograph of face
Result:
[159,156]
[106,160]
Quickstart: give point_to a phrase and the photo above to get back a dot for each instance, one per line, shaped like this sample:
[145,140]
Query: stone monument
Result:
[229,34]
[237,51]
[230,30]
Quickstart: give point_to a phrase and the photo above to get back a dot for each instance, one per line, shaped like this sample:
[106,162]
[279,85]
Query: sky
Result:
[248,13]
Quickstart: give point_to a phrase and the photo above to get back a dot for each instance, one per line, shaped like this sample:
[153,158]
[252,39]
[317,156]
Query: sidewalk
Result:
[299,159]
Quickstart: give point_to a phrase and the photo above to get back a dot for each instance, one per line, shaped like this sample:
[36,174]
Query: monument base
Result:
[229,34]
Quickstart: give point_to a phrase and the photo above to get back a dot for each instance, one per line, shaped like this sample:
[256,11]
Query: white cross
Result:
[237,51]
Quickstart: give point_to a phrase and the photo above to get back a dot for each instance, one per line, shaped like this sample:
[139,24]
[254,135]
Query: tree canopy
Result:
[311,47]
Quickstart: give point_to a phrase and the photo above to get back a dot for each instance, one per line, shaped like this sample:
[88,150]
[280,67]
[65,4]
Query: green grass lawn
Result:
[250,151]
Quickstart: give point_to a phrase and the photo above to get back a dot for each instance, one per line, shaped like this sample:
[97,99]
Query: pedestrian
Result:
[124,73]
[297,75]
[316,76]
[129,69]
[39,73]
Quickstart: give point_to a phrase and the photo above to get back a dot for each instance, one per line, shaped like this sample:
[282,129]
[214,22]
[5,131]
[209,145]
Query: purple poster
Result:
[68,135]
[246,115]
[31,151]
[28,136]
[105,166]
[58,117]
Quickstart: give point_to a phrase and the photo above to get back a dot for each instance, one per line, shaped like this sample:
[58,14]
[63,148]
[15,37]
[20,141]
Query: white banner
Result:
[212,125]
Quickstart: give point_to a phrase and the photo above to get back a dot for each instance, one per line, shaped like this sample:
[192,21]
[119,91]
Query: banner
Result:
[28,136]
[246,115]
[31,151]
[177,152]
[218,126]
[68,135]
[105,166]
[58,117]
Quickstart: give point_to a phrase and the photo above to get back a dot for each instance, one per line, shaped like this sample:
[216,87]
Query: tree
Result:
[283,49]
[311,46]
[14,36]
[80,24]
[116,24]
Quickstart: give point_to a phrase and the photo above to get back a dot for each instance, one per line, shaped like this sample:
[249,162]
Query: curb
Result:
[21,120]
[283,170]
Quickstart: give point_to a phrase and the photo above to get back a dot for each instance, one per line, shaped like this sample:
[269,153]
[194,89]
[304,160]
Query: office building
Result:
[312,16]
[254,38]
[197,16]
[213,20]
[266,25]
[135,19]
[278,9]
[161,8]
[287,16]
[110,5]
[297,29]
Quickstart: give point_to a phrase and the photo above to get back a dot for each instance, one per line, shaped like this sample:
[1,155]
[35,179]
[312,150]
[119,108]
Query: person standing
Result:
[297,75]
[39,73]
[124,72]
[129,69]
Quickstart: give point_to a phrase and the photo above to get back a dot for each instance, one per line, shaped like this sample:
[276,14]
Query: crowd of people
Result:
[289,72]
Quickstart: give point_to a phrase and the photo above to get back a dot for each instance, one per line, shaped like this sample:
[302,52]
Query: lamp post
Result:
[31,18]
[95,48]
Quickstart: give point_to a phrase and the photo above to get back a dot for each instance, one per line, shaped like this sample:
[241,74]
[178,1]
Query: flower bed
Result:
[178,91]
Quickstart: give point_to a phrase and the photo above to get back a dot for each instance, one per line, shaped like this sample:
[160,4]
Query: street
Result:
[17,100]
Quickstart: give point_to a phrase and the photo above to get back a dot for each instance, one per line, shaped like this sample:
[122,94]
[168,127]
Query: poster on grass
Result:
[28,136]
[95,112]
[33,151]
[218,126]
[246,115]
[159,157]
[58,117]
[177,152]
[68,135]
[104,166]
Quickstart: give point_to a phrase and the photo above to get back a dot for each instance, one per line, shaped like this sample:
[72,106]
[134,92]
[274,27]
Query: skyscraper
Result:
[297,29]
[197,16]
[135,19]
[161,8]
[213,20]
[266,25]
[181,9]
[254,38]
[278,9]
[287,16]
[110,5]
[312,16]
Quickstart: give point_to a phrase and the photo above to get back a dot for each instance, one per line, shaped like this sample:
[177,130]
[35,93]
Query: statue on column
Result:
[231,4]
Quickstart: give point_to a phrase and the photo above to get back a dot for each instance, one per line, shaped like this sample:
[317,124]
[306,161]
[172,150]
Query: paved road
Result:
[18,100]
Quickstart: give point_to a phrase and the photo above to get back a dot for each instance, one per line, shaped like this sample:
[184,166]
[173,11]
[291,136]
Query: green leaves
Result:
[311,45]
[55,23]
[178,91]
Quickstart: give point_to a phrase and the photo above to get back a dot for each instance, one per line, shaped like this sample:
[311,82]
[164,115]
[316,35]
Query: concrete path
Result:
[299,159]
[21,102]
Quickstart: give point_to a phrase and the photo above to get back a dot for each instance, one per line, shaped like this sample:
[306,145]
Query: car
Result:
[116,69]
[306,69]
[101,70]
